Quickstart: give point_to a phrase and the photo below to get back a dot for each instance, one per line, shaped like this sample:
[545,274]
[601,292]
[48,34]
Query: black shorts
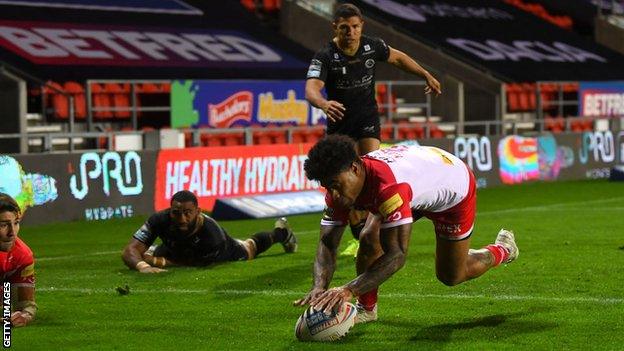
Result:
[358,127]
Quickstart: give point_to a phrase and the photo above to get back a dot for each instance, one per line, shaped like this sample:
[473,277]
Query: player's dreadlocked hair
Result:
[346,11]
[184,196]
[330,156]
[8,204]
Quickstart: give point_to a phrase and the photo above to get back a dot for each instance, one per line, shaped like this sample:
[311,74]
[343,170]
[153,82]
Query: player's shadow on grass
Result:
[285,279]
[482,329]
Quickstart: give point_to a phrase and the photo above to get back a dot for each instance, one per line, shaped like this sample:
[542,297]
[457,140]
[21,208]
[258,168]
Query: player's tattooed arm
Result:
[394,242]
[324,264]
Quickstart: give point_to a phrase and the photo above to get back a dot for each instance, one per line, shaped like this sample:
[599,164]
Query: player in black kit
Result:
[191,238]
[345,67]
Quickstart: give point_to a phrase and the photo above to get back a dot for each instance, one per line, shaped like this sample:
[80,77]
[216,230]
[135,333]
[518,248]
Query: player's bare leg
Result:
[369,251]
[456,262]
[366,145]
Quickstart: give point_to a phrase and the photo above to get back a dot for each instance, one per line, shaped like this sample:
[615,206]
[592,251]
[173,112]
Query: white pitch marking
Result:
[597,300]
[306,232]
[547,207]
[54,258]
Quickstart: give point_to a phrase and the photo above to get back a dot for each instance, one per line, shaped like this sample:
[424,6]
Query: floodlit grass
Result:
[565,292]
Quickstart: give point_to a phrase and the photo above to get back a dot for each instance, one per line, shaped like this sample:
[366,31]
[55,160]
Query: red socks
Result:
[368,300]
[499,252]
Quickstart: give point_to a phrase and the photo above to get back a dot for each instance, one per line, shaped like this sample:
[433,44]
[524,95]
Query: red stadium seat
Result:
[314,134]
[298,136]
[279,136]
[120,95]
[386,132]
[60,103]
[262,137]
[101,99]
[232,139]
[410,131]
[76,90]
[211,139]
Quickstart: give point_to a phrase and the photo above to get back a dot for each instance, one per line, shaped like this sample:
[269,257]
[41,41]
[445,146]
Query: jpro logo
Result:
[109,166]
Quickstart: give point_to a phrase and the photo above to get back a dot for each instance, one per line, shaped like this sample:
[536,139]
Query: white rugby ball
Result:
[315,325]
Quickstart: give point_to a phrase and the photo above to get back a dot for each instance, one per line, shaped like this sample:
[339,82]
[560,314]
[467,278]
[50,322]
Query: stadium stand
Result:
[538,10]
[118,95]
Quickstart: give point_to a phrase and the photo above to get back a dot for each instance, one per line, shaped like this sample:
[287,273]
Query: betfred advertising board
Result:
[598,99]
[73,44]
[232,171]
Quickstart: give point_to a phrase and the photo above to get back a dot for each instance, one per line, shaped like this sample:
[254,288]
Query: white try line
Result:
[551,206]
[482,213]
[69,257]
[298,294]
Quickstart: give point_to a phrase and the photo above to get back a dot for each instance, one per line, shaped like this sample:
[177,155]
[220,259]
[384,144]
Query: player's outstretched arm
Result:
[325,262]
[26,308]
[133,257]
[333,109]
[408,64]
[394,242]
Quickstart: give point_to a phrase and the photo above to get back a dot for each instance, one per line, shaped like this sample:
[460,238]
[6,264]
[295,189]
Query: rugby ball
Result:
[315,325]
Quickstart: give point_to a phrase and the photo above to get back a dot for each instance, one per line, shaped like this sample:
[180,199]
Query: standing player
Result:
[191,238]
[345,67]
[17,264]
[397,185]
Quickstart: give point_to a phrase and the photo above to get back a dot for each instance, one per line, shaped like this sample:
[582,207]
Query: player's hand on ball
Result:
[151,269]
[334,110]
[314,292]
[20,319]
[330,299]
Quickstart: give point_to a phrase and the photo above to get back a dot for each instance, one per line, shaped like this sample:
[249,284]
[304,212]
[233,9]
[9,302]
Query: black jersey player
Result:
[192,238]
[345,67]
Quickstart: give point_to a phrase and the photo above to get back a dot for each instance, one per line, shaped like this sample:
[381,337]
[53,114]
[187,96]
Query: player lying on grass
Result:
[17,265]
[397,185]
[191,238]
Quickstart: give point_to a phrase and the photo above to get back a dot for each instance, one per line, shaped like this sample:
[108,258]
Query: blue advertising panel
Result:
[601,98]
[225,104]
[154,6]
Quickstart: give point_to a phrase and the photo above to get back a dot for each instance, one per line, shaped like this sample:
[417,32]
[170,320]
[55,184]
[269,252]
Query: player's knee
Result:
[450,278]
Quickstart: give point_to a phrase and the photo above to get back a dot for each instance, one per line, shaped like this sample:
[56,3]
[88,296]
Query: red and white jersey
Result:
[405,178]
[18,266]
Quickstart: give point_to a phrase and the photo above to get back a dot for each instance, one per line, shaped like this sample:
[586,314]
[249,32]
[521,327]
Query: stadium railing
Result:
[62,142]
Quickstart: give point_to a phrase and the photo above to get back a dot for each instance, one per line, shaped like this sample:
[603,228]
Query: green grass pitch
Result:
[565,292]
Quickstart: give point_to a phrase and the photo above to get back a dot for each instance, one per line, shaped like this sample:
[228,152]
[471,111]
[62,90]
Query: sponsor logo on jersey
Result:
[394,217]
[369,63]
[367,47]
[236,107]
[314,71]
[390,205]
[28,270]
